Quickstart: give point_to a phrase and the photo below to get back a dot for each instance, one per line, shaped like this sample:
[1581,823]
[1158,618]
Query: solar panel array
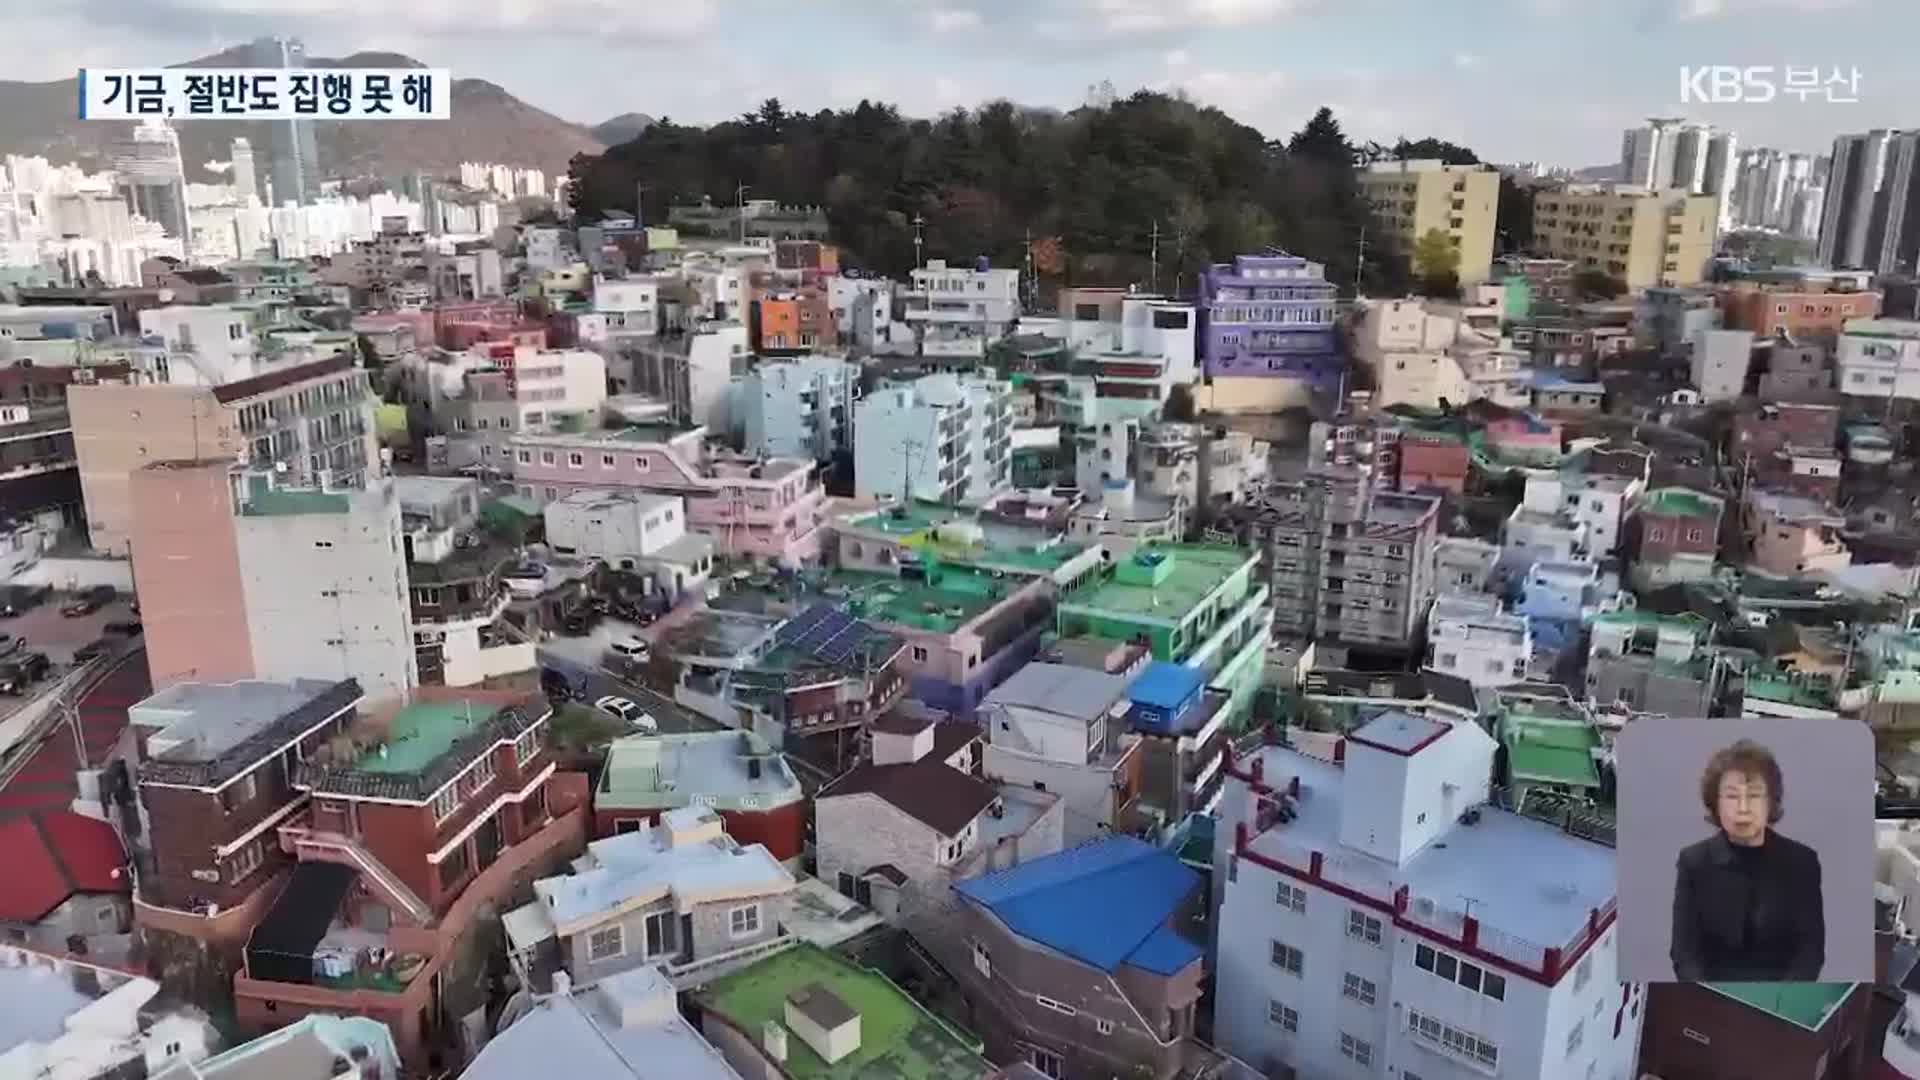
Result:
[824,632]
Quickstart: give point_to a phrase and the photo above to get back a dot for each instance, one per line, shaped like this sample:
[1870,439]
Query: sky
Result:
[1554,81]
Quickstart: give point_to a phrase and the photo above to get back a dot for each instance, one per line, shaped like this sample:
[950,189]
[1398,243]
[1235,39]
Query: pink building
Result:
[1524,438]
[771,510]
[1793,535]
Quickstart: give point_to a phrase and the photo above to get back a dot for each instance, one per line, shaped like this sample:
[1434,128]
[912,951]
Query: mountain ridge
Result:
[486,123]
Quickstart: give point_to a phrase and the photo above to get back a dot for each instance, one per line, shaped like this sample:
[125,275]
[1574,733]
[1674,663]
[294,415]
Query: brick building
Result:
[1702,1031]
[1800,314]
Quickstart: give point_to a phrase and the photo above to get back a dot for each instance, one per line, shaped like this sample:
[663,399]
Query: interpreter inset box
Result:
[1746,850]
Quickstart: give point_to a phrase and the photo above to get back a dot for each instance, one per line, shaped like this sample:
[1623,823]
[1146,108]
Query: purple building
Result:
[1268,316]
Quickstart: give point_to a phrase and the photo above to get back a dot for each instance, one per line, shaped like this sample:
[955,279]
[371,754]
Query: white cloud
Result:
[1178,58]
[951,20]
[1149,16]
[1466,60]
[1690,10]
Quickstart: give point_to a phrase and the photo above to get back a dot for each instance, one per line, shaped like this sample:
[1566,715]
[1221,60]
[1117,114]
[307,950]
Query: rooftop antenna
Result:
[1153,274]
[919,223]
[1359,259]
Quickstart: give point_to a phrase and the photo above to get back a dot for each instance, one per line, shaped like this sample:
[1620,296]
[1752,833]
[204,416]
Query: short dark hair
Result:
[1749,758]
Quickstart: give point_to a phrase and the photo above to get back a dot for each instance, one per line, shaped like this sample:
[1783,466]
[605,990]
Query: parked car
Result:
[20,599]
[125,628]
[631,649]
[9,643]
[88,601]
[564,680]
[90,650]
[23,671]
[626,710]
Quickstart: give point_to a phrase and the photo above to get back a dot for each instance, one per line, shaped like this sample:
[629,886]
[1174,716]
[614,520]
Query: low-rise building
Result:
[67,1017]
[1879,359]
[68,880]
[640,532]
[825,677]
[1772,425]
[1721,360]
[213,785]
[807,1012]
[420,815]
[1554,753]
[1667,319]
[679,893]
[1639,237]
[1069,979]
[896,831]
[455,584]
[1653,663]
[1183,735]
[1062,729]
[1462,938]
[1554,396]
[1803,314]
[1561,591]
[1678,533]
[769,510]
[626,1027]
[733,773]
[1792,535]
[1469,637]
[1722,1031]
[316,1047]
[942,438]
[1462,564]
[1797,371]
[957,311]
[1788,695]
[1194,604]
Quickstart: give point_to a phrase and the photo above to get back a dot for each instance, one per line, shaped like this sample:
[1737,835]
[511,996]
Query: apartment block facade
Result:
[1267,332]
[940,438]
[1638,237]
[1413,198]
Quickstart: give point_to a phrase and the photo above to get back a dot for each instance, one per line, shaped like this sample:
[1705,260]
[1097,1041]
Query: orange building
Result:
[1796,313]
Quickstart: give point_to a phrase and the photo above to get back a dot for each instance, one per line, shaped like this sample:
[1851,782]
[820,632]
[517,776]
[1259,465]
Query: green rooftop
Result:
[1684,502]
[1807,1005]
[280,502]
[419,734]
[899,1040]
[950,598]
[1187,574]
[1000,545]
[1552,753]
[1784,689]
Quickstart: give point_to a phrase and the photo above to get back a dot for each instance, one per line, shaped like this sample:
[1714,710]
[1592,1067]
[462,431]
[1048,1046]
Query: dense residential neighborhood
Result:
[811,596]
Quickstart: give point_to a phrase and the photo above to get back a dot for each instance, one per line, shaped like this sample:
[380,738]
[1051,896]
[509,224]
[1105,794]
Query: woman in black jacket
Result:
[1746,901]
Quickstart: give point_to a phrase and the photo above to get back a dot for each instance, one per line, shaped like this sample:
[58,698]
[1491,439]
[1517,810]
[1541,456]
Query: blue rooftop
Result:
[1166,685]
[1105,903]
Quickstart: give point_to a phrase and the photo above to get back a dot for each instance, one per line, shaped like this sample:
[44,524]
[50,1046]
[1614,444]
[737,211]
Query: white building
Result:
[1377,918]
[1147,341]
[630,306]
[627,1027]
[65,1019]
[863,312]
[1880,358]
[1471,638]
[691,372]
[317,1046]
[941,438]
[1543,527]
[632,530]
[1720,362]
[1599,503]
[344,615]
[959,311]
[207,345]
[801,407]
[1062,729]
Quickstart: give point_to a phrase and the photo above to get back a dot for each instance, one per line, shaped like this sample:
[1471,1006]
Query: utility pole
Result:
[740,196]
[639,205]
[1027,240]
[919,223]
[1153,275]
[1359,260]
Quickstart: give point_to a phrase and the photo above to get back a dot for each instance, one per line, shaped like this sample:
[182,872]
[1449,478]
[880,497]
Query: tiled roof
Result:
[942,798]
[247,753]
[505,725]
[1105,903]
[51,855]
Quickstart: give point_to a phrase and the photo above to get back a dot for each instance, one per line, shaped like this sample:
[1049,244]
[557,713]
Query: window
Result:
[1104,1027]
[1359,989]
[1287,1018]
[1047,1062]
[982,959]
[660,927]
[1696,1036]
[606,944]
[1288,959]
[1060,1007]
[1359,1050]
[1363,926]
[606,461]
[1423,957]
[1444,1036]
[526,457]
[1292,897]
[744,920]
[920,653]
[575,459]
[1573,1037]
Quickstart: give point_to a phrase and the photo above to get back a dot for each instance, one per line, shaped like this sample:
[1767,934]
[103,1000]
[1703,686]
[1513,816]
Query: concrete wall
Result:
[704,933]
[853,833]
[192,592]
[117,429]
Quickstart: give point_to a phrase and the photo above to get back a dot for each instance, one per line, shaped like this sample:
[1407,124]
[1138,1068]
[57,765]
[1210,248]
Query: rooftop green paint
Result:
[899,1040]
[1806,1005]
[421,733]
[1175,600]
[279,503]
[1551,753]
[1783,690]
[1683,502]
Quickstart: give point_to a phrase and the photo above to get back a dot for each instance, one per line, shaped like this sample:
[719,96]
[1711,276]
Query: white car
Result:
[626,710]
[632,649]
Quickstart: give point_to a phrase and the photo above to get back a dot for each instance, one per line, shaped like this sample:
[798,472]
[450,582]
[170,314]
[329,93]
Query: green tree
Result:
[1436,262]
[1593,284]
[1513,218]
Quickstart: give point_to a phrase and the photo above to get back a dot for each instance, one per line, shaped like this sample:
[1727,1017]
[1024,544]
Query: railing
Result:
[696,973]
[298,834]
